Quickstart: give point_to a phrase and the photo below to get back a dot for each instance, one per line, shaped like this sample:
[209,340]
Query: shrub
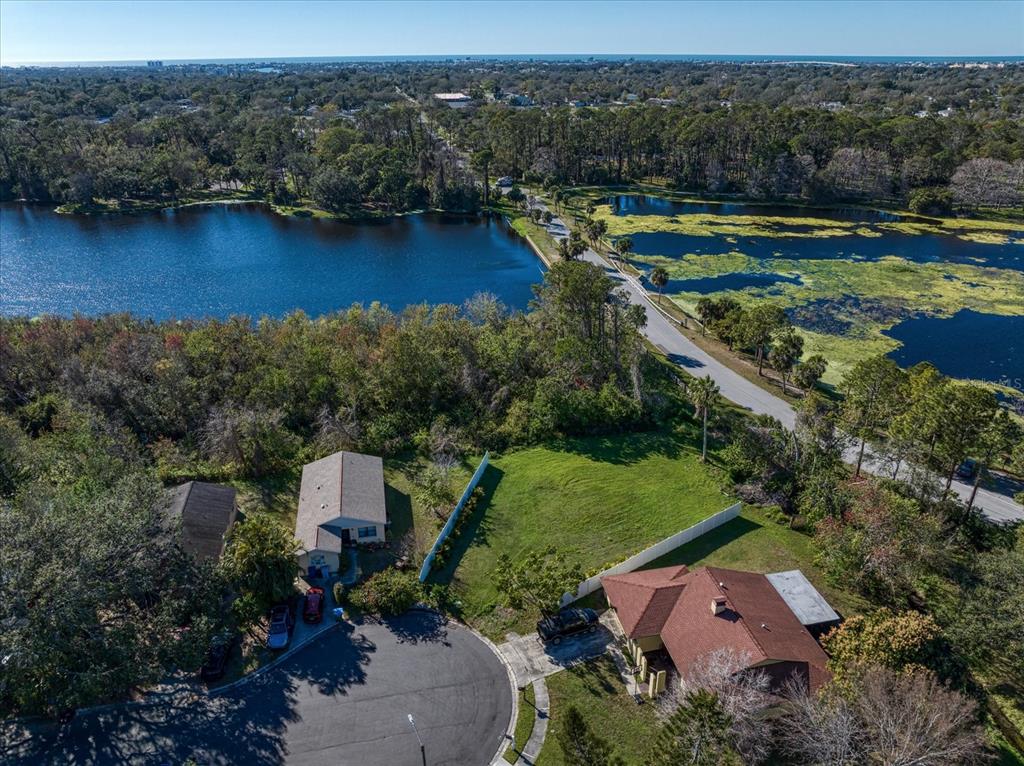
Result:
[339,593]
[387,592]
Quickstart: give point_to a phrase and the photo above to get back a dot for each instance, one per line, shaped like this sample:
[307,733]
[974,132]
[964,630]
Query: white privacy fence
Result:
[656,551]
[428,562]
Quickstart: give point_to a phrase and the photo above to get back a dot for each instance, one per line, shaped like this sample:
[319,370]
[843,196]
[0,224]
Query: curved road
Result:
[662,332]
[342,700]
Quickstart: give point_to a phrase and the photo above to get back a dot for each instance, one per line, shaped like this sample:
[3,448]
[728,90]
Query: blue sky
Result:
[84,30]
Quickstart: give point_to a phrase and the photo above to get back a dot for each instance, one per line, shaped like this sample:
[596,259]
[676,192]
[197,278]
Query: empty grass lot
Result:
[597,500]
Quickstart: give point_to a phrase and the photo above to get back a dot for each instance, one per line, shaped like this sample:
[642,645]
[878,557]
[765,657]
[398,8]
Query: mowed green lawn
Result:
[597,500]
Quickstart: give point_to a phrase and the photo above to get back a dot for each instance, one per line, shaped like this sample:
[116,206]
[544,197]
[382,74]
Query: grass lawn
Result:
[597,499]
[596,689]
[754,543]
[524,723]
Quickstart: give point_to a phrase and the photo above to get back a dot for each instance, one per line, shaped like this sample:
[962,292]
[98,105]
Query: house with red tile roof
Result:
[690,614]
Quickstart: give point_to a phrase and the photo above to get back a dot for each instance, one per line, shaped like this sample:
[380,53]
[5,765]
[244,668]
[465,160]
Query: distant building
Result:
[515,99]
[454,100]
[154,63]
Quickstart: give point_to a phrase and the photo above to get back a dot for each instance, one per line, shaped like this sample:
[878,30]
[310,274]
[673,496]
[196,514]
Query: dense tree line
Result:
[760,152]
[131,136]
[345,136]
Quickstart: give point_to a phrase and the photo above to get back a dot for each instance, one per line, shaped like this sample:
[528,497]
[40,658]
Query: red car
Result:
[314,608]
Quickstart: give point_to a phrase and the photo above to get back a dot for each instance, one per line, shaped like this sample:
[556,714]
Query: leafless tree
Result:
[911,719]
[985,181]
[820,730]
[743,693]
[337,429]
[860,173]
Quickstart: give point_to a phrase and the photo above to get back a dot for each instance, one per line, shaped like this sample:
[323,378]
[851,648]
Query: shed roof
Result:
[809,606]
[207,512]
[342,490]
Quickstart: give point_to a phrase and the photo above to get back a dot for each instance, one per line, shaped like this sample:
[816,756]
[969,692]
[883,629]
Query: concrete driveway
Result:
[342,700]
[531,659]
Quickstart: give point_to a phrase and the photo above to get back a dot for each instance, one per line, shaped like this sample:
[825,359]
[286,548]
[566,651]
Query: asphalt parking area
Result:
[343,700]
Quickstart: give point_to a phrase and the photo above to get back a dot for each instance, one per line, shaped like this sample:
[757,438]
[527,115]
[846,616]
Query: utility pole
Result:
[423,749]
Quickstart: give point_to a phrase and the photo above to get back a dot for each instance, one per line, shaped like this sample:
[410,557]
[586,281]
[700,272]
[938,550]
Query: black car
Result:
[217,658]
[566,623]
[967,469]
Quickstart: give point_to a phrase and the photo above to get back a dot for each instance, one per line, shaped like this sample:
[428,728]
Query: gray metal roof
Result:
[207,512]
[340,491]
[809,606]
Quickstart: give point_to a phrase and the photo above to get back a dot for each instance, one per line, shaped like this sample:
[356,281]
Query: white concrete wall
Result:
[656,551]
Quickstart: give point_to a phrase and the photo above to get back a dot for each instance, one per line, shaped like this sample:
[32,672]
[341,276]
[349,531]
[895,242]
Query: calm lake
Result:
[218,260]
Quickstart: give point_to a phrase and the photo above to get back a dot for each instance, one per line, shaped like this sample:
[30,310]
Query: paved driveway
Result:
[343,700]
[532,659]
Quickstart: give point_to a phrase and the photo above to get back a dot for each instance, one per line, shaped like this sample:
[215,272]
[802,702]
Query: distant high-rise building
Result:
[155,63]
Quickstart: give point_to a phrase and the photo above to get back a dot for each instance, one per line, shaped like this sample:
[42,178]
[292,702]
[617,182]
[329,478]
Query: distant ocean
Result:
[555,57]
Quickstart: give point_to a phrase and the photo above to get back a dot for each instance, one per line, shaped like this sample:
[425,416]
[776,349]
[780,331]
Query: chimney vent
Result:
[718,605]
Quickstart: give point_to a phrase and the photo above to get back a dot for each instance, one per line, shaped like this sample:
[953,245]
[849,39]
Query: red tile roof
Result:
[676,605]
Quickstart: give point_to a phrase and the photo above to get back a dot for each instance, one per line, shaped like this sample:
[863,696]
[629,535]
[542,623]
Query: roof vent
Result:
[322,506]
[721,585]
[764,626]
[718,605]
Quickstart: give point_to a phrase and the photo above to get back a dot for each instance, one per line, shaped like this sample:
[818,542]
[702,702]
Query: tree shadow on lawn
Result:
[242,725]
[598,676]
[623,449]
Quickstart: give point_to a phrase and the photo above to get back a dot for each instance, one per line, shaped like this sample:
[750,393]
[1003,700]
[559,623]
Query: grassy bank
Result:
[596,689]
[598,500]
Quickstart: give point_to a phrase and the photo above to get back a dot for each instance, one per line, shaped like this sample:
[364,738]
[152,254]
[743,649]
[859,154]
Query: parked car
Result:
[967,469]
[217,657]
[566,623]
[281,625]
[504,182]
[313,611]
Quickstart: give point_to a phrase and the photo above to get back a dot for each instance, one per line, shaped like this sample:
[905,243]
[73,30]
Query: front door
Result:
[346,537]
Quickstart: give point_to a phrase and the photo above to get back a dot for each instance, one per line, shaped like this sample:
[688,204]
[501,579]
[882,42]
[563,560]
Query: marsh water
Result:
[219,260]
[967,345]
[917,247]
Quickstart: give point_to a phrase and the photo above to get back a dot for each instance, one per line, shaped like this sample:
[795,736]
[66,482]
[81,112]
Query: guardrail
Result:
[656,551]
[446,530]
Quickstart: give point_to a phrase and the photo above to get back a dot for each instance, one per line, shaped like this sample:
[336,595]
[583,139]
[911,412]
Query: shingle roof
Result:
[207,512]
[756,620]
[643,600]
[345,489]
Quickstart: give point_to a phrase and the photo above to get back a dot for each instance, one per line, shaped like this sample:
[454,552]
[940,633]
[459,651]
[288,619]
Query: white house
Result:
[341,502]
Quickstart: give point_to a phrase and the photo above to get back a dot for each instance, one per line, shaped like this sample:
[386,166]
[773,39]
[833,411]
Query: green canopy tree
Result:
[873,388]
[260,563]
[536,579]
[786,350]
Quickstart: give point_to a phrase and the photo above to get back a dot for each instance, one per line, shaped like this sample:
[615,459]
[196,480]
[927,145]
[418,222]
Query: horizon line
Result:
[271,58]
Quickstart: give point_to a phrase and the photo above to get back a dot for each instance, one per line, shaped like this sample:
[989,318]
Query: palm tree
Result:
[623,247]
[659,278]
[703,393]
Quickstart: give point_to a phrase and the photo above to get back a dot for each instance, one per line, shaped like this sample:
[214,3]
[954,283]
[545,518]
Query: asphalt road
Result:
[662,332]
[343,700]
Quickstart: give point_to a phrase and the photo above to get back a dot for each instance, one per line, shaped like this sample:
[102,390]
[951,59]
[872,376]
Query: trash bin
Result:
[339,613]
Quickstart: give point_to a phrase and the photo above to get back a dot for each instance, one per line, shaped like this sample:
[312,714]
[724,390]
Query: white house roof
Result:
[340,491]
[809,606]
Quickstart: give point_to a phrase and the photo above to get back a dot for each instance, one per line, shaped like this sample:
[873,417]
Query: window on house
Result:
[367,531]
